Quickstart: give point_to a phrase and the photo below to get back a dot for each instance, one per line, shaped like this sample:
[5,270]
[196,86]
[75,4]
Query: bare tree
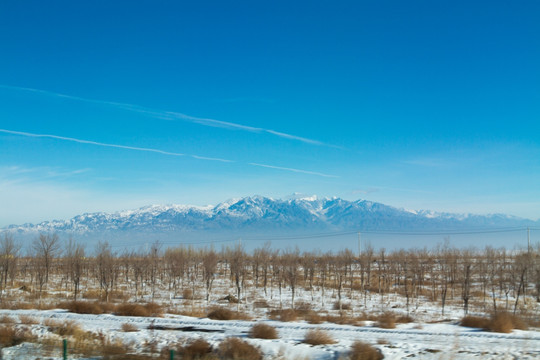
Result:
[323,265]
[154,260]
[209,262]
[340,267]
[9,252]
[466,273]
[238,263]
[74,257]
[520,266]
[46,248]
[290,262]
[106,268]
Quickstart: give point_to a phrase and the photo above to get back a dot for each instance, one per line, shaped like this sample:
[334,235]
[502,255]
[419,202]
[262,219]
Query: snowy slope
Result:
[261,216]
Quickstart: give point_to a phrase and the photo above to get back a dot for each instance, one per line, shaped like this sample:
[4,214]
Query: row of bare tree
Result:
[493,277]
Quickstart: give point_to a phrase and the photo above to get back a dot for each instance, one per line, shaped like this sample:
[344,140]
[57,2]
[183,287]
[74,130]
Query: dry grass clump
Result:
[127,327]
[82,307]
[96,294]
[236,349]
[131,310]
[92,294]
[318,337]
[63,328]
[221,313]
[502,322]
[261,304]
[345,320]
[363,351]
[386,320]
[11,336]
[404,319]
[263,331]
[22,305]
[115,349]
[5,319]
[474,322]
[191,311]
[314,318]
[28,320]
[285,315]
[344,306]
[198,349]
[302,307]
[505,322]
[147,310]
[188,294]
[154,309]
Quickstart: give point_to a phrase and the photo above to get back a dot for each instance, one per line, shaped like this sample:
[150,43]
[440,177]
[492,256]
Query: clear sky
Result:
[416,104]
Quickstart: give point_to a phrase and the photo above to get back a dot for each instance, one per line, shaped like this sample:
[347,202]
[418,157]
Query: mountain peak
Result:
[259,214]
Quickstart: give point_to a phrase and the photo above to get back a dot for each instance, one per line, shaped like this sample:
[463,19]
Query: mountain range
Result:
[261,217]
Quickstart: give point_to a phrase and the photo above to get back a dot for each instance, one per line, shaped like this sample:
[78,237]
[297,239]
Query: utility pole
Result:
[528,239]
[359,245]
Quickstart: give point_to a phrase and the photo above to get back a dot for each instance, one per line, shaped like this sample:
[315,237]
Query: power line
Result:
[345,233]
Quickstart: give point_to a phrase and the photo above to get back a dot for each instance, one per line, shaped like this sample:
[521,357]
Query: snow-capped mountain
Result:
[267,216]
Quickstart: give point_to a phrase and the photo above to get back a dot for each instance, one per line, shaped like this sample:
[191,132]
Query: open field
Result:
[444,303]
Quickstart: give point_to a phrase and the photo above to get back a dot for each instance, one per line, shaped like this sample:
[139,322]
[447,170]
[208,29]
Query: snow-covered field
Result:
[413,340]
[426,334]
[429,336]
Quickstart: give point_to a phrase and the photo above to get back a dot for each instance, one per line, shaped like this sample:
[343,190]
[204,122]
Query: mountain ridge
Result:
[258,213]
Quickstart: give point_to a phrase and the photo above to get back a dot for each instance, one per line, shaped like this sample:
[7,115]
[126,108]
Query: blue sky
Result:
[417,104]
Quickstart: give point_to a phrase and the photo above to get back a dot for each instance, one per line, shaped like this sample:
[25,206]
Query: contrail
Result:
[294,170]
[158,151]
[110,145]
[172,115]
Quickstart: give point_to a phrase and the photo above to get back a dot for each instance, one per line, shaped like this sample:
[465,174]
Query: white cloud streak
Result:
[294,170]
[21,133]
[171,115]
[135,148]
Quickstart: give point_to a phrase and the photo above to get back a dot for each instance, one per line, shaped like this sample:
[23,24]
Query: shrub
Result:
[318,337]
[198,349]
[127,327]
[363,351]
[263,331]
[236,349]
[387,320]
